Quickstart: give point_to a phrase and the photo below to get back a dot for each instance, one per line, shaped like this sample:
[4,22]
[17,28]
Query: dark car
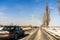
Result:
[11,32]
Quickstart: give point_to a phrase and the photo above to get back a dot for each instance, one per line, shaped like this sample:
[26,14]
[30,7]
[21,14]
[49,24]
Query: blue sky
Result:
[27,12]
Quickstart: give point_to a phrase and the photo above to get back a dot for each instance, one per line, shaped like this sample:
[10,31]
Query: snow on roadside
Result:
[55,31]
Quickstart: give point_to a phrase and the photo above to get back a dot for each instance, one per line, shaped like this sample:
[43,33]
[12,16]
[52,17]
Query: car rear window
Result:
[8,28]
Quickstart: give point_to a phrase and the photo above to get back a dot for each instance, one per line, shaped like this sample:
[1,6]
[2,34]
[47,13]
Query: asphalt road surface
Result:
[38,35]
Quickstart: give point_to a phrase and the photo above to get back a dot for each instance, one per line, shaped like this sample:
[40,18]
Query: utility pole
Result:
[32,19]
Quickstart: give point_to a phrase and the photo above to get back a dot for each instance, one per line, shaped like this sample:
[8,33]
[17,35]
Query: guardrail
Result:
[51,35]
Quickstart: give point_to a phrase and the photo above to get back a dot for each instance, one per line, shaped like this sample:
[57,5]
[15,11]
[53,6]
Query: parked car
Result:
[11,32]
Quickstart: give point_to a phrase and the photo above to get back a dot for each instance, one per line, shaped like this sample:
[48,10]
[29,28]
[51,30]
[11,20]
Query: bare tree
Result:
[59,6]
[46,17]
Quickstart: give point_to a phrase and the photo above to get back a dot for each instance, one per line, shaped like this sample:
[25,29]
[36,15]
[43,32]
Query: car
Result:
[11,32]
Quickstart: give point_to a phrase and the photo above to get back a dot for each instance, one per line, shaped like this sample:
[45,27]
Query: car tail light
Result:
[8,33]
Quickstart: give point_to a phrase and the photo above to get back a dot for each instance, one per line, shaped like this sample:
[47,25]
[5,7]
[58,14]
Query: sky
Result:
[27,12]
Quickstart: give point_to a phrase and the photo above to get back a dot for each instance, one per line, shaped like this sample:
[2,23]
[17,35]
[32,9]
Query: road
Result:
[41,35]
[35,34]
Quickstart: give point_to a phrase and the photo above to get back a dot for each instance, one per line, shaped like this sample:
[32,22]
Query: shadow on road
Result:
[20,37]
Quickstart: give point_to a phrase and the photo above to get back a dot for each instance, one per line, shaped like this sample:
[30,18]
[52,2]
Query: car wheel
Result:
[16,37]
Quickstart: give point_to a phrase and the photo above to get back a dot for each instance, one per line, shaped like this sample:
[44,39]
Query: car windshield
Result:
[8,28]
